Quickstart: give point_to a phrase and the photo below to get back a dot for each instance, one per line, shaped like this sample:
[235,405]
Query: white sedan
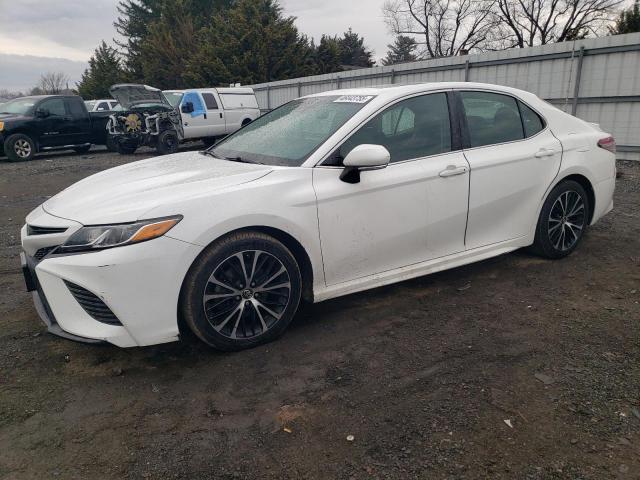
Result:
[327,195]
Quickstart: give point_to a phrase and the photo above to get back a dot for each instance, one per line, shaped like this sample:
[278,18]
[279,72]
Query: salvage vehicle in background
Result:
[212,113]
[102,105]
[146,119]
[29,125]
[327,195]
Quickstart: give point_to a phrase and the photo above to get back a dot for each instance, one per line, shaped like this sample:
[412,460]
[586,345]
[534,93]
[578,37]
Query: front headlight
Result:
[107,236]
[1,126]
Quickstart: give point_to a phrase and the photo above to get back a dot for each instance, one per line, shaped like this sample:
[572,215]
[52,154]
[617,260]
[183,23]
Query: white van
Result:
[209,113]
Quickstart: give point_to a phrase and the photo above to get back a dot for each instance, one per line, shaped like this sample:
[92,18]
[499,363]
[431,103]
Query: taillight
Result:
[608,143]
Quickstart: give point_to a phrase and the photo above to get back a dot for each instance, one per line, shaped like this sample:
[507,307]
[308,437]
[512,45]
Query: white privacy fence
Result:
[597,80]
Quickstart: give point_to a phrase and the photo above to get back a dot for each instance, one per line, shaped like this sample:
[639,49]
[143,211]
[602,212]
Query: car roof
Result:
[391,91]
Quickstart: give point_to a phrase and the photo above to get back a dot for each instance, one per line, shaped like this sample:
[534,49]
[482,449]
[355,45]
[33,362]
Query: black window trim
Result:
[466,144]
[456,141]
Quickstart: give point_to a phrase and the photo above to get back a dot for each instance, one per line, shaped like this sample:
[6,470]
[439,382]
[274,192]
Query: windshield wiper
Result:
[231,159]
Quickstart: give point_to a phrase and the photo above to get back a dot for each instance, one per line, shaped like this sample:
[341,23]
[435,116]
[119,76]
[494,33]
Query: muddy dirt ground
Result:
[516,367]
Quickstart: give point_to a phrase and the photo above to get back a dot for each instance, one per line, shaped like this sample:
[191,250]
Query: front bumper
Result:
[139,283]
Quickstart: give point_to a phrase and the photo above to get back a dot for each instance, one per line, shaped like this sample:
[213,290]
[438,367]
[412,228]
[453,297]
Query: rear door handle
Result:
[452,170]
[544,152]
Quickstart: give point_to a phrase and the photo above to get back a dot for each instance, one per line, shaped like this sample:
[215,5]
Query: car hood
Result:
[11,116]
[130,95]
[126,193]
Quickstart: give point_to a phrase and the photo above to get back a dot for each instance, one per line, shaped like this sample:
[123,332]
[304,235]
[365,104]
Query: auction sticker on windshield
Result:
[353,99]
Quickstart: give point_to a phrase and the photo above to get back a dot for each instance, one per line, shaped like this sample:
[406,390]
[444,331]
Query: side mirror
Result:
[42,113]
[364,157]
[187,107]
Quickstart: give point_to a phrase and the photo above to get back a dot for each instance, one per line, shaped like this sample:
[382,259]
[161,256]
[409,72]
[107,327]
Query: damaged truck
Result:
[146,119]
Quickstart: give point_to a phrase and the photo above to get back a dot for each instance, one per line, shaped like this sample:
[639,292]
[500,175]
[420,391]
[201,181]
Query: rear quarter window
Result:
[531,121]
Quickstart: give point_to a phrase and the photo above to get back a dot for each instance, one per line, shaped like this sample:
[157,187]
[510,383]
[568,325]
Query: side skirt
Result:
[420,269]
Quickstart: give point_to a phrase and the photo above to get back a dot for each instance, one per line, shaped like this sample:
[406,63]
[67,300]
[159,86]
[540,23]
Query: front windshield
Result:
[173,98]
[19,106]
[288,135]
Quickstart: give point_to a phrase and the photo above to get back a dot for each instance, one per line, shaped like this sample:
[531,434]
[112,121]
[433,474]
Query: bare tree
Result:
[53,82]
[444,27]
[537,22]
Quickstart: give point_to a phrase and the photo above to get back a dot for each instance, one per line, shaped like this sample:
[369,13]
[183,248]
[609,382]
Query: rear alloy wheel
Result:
[243,292]
[19,148]
[563,220]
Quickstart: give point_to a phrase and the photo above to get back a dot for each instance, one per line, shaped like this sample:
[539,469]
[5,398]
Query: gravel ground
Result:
[515,367]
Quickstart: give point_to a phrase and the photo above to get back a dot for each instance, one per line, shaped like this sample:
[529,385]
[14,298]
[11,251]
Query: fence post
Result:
[299,89]
[338,82]
[576,87]
[268,97]
[393,76]
[467,65]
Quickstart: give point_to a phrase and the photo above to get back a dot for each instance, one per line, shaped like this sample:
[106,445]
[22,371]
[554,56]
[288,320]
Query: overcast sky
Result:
[60,35]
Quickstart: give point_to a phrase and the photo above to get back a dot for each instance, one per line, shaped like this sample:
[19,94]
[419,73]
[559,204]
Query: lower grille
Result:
[43,252]
[91,304]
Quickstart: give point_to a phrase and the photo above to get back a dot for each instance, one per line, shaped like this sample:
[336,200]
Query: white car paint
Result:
[226,111]
[411,218]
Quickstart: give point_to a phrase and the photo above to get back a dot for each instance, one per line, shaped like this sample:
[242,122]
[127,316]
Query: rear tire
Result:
[243,291]
[19,147]
[111,144]
[168,142]
[563,220]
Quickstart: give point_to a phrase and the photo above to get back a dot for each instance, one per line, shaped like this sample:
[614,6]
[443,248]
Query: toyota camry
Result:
[327,195]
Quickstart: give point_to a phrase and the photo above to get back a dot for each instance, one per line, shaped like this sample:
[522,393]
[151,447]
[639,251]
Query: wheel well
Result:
[298,251]
[246,121]
[29,134]
[586,184]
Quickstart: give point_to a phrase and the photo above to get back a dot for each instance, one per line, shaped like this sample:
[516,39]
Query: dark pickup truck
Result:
[29,125]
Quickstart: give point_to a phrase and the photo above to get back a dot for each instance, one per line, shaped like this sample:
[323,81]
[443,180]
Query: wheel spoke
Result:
[209,297]
[235,327]
[215,281]
[273,277]
[260,317]
[268,310]
[229,317]
[274,287]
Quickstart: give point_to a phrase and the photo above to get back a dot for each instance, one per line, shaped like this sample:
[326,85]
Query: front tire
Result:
[19,147]
[563,220]
[242,291]
[126,149]
[168,142]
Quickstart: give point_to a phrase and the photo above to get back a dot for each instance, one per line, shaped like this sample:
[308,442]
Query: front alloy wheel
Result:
[247,294]
[242,291]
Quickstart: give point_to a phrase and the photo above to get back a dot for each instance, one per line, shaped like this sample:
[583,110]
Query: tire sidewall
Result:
[191,298]
[9,148]
[543,243]
[165,149]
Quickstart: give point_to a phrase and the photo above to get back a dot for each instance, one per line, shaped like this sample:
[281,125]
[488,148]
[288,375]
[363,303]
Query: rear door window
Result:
[491,118]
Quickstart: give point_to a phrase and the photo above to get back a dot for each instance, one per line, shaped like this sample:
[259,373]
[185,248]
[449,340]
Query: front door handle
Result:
[220,114]
[545,152]
[452,170]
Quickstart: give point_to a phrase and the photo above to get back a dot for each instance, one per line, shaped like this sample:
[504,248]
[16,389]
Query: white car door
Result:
[413,210]
[196,123]
[513,159]
[216,125]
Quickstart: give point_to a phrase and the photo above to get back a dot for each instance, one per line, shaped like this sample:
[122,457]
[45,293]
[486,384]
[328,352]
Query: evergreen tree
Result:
[168,44]
[252,42]
[627,22]
[328,56]
[105,69]
[137,18]
[353,51]
[402,50]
